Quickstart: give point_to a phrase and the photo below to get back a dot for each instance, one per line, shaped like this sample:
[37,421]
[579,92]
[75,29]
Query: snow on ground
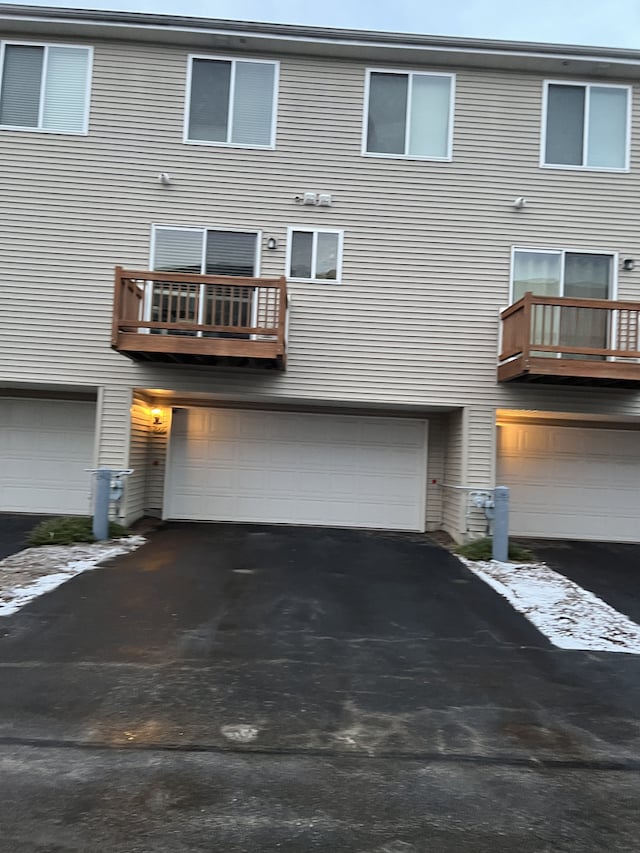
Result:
[569,616]
[30,573]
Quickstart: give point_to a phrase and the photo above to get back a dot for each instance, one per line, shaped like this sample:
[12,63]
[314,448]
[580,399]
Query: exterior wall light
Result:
[628,264]
[272,243]
[157,416]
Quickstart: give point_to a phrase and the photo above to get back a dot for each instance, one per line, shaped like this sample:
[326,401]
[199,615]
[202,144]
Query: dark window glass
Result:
[301,253]
[21,82]
[230,253]
[386,128]
[565,125]
[209,107]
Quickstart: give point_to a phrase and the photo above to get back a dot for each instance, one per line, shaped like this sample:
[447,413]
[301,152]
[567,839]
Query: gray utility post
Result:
[501,524]
[101,504]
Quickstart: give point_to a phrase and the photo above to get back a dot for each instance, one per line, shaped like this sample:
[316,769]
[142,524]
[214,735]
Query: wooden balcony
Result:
[200,319]
[561,340]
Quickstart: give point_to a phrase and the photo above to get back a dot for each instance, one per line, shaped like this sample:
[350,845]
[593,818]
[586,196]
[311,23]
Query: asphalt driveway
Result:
[14,529]
[610,570]
[250,688]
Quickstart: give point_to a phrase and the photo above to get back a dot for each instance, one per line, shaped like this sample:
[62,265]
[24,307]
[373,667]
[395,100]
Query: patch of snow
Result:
[34,571]
[568,615]
[240,733]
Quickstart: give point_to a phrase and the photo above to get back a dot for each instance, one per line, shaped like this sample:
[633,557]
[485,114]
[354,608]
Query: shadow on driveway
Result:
[14,529]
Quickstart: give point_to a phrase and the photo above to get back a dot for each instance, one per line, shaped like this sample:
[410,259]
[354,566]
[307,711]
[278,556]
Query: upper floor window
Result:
[45,87]
[586,125]
[409,114]
[315,254]
[231,102]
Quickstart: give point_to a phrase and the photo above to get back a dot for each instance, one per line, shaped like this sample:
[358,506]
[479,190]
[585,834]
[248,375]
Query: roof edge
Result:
[329,35]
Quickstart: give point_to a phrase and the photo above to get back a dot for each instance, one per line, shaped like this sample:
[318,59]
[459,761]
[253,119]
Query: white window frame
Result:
[201,229]
[563,252]
[315,230]
[233,60]
[88,83]
[409,73]
[585,126]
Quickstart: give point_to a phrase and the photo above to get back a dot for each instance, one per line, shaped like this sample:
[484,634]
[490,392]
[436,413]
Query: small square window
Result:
[586,126]
[315,254]
[231,102]
[45,87]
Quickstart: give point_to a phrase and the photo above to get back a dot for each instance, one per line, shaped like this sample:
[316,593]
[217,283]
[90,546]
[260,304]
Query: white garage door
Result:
[281,467]
[569,482]
[45,445]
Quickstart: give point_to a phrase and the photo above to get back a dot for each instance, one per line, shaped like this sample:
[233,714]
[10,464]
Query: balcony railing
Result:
[200,319]
[552,339]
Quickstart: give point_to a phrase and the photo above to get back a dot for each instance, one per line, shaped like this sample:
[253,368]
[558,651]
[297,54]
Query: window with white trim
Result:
[409,114]
[586,126]
[44,87]
[231,102]
[203,251]
[559,272]
[568,275]
[315,254]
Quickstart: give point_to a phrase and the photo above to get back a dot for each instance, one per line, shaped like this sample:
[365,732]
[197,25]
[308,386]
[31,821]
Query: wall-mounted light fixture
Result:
[272,243]
[320,199]
[156,414]
[629,264]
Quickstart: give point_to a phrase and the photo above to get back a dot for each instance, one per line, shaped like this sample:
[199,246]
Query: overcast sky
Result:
[615,23]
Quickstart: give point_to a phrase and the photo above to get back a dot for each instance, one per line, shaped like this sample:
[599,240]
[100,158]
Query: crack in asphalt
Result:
[629,765]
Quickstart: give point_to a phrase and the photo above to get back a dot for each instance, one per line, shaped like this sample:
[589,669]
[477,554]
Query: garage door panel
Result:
[297,468]
[45,447]
[585,485]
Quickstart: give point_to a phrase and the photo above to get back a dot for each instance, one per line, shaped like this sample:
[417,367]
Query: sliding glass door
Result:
[578,275]
[203,252]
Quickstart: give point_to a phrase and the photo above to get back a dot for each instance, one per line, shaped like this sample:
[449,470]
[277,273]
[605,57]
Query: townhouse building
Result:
[311,276]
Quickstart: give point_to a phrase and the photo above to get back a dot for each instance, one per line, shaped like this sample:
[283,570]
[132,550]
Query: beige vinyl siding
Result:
[453,496]
[435,470]
[156,468]
[426,259]
[136,484]
[426,248]
[113,451]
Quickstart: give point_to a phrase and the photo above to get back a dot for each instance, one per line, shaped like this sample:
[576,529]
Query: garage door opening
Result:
[45,448]
[297,468]
[571,482]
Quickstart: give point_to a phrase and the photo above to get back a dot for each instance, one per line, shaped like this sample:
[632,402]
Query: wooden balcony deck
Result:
[200,319]
[561,340]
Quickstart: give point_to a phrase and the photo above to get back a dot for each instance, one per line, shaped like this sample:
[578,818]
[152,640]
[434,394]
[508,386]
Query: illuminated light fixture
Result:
[157,416]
